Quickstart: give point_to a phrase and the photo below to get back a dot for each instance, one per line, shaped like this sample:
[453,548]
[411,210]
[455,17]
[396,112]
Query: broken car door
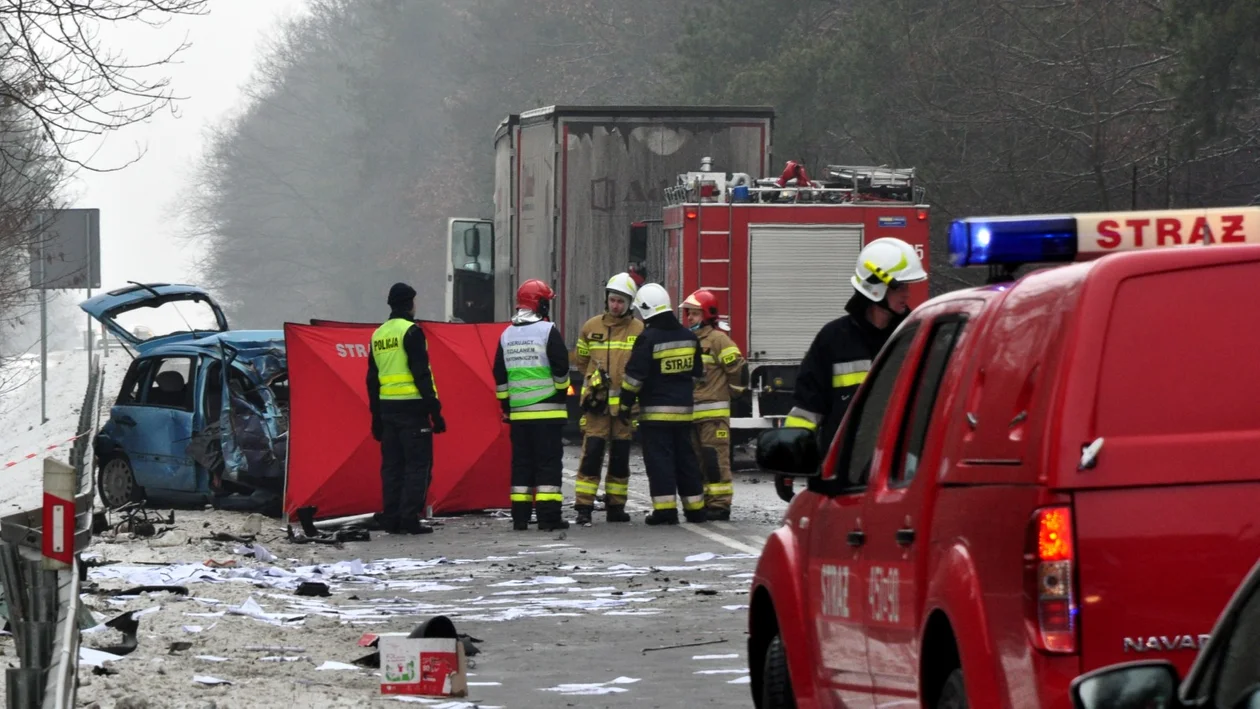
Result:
[158,426]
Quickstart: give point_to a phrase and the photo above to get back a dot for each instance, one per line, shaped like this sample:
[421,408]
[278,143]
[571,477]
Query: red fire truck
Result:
[778,253]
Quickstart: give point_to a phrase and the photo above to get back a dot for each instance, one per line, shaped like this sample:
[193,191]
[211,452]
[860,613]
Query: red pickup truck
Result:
[1037,478]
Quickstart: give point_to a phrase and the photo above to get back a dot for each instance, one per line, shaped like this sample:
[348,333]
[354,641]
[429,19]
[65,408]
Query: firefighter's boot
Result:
[719,514]
[616,513]
[552,525]
[583,516]
[660,517]
[696,516]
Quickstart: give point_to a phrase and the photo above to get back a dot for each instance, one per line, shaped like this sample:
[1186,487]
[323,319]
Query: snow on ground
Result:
[21,433]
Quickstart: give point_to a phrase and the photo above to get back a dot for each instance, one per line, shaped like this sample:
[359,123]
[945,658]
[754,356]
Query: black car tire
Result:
[776,684]
[953,693]
[116,483]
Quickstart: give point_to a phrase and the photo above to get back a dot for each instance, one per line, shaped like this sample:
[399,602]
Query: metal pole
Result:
[87,235]
[43,330]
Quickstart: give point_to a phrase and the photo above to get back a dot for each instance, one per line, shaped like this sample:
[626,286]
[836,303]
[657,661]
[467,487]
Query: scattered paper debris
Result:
[741,680]
[595,688]
[91,657]
[705,556]
[735,608]
[211,658]
[206,679]
[732,656]
[333,665]
[250,608]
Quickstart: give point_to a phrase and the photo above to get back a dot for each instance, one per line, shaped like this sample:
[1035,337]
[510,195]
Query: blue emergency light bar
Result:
[989,241]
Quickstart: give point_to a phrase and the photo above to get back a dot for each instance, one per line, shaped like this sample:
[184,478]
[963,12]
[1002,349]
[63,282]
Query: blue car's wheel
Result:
[116,485]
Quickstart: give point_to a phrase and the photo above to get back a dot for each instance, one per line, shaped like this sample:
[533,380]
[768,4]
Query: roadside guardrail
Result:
[41,572]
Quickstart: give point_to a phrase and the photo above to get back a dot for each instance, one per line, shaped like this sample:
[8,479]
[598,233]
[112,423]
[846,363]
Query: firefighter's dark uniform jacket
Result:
[423,401]
[661,375]
[835,365]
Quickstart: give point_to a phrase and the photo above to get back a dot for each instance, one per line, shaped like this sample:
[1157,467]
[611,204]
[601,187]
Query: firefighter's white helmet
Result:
[651,300]
[622,284]
[884,262]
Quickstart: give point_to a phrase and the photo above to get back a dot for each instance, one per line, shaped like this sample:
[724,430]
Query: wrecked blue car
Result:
[203,409]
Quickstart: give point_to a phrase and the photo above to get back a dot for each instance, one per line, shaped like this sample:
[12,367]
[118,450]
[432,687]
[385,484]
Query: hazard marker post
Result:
[60,488]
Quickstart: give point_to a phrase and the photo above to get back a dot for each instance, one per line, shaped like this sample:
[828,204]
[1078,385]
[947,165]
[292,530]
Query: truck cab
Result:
[1038,478]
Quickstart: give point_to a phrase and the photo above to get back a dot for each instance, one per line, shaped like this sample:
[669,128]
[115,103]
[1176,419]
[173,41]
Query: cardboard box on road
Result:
[433,667]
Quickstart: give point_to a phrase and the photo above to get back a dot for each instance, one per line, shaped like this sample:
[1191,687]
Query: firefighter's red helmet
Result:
[535,295]
[705,302]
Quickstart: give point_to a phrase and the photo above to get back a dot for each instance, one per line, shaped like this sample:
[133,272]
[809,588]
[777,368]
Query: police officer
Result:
[603,346]
[405,413]
[724,374]
[664,365]
[531,371]
[840,356]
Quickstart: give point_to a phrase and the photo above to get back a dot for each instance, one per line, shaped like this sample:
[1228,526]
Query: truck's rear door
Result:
[1167,518]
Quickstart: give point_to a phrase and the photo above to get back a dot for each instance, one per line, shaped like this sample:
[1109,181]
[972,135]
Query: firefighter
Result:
[602,350]
[724,376]
[664,365]
[531,373]
[840,356]
[402,397]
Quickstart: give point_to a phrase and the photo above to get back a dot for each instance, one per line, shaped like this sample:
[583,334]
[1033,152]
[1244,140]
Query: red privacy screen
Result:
[334,464]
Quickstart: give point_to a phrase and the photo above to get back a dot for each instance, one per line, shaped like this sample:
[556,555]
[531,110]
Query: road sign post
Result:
[67,255]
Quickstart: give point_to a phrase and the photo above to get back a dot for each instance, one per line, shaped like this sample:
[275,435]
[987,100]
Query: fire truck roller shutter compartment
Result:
[798,282]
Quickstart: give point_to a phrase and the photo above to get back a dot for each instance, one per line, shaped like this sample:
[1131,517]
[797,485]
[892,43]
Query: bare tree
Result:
[54,65]
[60,84]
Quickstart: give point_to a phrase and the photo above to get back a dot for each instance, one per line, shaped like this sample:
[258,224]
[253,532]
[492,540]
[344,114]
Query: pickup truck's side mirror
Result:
[793,451]
[1150,684]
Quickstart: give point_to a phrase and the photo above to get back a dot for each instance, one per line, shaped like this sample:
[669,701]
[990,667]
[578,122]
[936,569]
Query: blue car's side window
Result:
[172,384]
[134,384]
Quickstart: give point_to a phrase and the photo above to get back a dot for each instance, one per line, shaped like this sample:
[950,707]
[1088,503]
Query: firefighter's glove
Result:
[438,423]
[623,413]
[377,431]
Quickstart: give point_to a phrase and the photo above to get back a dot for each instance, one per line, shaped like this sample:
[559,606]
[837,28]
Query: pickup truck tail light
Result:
[1049,571]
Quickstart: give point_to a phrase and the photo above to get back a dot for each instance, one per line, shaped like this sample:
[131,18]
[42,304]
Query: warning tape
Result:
[54,446]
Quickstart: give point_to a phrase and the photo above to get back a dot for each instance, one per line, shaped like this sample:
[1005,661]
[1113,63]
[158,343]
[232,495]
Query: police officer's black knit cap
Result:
[401,294]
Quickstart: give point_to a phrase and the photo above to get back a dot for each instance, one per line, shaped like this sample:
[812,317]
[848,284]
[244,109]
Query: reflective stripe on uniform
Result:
[673,349]
[521,494]
[719,489]
[586,487]
[501,391]
[802,418]
[597,346]
[695,502]
[729,354]
[848,374]
[548,493]
[616,488]
[665,413]
[631,384]
[711,410]
[664,502]
[535,412]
